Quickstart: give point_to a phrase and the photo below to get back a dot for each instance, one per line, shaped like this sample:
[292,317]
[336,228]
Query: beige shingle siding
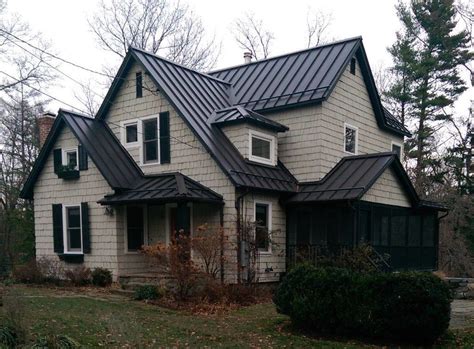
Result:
[349,103]
[387,190]
[90,187]
[276,259]
[188,155]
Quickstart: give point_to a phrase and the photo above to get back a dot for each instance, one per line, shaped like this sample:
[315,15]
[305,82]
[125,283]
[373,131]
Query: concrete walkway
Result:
[462,314]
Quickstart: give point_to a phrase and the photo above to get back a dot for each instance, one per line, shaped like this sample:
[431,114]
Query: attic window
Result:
[350,139]
[262,148]
[139,84]
[353,66]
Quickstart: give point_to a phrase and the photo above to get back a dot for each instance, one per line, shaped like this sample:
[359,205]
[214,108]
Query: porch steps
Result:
[133,281]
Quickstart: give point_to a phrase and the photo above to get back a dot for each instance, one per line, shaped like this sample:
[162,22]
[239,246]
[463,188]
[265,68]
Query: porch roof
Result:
[167,187]
[352,177]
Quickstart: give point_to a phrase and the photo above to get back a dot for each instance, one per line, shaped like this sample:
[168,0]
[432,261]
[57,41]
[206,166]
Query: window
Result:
[135,228]
[73,231]
[139,84]
[262,226]
[350,139]
[150,140]
[353,66]
[262,148]
[131,133]
[70,158]
[397,149]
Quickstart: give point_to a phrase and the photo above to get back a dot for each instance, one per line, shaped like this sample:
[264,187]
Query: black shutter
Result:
[165,155]
[86,237]
[139,84]
[58,228]
[82,158]
[58,160]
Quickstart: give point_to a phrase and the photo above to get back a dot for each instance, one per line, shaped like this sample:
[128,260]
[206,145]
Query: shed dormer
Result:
[254,135]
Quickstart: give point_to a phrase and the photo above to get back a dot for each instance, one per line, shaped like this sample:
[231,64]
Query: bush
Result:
[55,341]
[101,277]
[411,307]
[79,276]
[28,273]
[8,337]
[147,292]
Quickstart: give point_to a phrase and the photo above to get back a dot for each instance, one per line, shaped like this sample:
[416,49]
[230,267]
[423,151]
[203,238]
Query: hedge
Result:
[407,306]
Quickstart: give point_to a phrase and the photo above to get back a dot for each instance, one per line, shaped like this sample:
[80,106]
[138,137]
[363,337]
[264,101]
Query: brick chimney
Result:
[247,57]
[45,122]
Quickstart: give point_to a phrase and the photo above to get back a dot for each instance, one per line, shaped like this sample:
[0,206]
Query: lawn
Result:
[102,320]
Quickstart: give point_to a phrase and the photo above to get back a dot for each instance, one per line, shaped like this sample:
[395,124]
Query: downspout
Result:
[238,206]
[437,238]
[222,242]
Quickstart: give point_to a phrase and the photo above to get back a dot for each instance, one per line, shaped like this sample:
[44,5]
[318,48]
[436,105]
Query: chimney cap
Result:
[47,114]
[248,56]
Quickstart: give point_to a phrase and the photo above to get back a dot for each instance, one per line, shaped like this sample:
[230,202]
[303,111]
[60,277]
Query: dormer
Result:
[254,135]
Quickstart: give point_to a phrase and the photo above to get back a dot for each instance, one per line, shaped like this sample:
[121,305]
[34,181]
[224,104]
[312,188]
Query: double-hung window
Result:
[72,229]
[262,147]
[350,139]
[262,226]
[150,140]
[70,158]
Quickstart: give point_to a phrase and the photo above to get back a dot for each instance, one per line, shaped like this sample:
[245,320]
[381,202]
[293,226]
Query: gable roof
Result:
[113,162]
[352,177]
[163,188]
[303,77]
[195,96]
[238,114]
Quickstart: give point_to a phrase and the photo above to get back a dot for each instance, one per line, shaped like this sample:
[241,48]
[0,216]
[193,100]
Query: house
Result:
[299,144]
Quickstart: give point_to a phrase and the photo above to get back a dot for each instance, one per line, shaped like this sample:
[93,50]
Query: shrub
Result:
[101,277]
[55,341]
[28,273]
[405,306]
[8,337]
[147,292]
[79,276]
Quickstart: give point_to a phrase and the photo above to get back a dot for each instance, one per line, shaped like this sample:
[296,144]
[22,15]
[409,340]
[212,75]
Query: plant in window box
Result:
[68,172]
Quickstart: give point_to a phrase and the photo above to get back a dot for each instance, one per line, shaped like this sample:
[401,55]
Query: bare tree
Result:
[165,27]
[87,98]
[252,36]
[317,25]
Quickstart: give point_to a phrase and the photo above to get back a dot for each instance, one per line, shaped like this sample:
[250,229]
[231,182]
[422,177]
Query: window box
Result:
[68,172]
[73,258]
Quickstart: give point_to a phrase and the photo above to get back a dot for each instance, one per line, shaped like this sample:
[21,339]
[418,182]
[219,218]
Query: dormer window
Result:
[262,147]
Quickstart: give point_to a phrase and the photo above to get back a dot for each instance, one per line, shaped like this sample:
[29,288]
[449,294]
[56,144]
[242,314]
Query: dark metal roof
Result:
[113,162]
[293,78]
[170,187]
[195,96]
[392,121]
[298,78]
[238,114]
[351,178]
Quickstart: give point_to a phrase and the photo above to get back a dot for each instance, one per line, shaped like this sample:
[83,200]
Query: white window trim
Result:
[346,125]
[270,214]
[399,145]
[64,156]
[123,133]
[140,139]
[145,227]
[265,137]
[65,238]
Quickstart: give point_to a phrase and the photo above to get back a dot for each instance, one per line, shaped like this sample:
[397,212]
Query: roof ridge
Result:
[62,110]
[180,65]
[287,54]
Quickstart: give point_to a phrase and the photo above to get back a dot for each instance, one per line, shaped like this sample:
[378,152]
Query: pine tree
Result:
[427,56]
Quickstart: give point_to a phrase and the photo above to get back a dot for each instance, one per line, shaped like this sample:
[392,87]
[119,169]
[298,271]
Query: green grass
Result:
[107,321]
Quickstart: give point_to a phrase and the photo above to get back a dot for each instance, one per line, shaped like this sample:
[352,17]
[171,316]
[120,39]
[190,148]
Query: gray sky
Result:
[65,24]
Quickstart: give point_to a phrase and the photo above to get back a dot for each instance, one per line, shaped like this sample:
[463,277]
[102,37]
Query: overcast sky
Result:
[65,24]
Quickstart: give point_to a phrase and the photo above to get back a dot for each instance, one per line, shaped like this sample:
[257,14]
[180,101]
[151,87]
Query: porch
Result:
[153,212]
[409,236]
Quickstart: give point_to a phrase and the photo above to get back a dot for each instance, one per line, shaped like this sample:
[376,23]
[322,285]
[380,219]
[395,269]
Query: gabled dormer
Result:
[254,135]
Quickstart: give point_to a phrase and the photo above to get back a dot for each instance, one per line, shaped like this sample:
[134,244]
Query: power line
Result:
[56,56]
